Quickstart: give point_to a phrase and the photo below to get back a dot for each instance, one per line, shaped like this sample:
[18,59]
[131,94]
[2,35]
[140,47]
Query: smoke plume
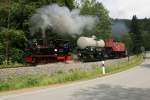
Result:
[119,27]
[61,20]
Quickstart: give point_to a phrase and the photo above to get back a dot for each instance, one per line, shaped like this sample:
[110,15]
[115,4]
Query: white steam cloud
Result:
[61,20]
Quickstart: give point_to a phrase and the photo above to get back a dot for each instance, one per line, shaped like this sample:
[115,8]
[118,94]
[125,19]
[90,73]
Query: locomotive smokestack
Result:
[44,37]
[44,41]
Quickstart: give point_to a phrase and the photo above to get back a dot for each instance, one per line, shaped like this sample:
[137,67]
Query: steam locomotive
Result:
[88,49]
[53,51]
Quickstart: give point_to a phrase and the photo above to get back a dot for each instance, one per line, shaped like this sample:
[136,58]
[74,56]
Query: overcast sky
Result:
[127,8]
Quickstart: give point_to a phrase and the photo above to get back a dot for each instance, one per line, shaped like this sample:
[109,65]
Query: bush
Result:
[2,58]
[4,86]
[17,55]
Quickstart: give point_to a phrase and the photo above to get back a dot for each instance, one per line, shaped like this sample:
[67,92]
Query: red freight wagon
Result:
[114,48]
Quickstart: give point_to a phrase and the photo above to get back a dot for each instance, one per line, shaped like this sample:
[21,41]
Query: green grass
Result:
[13,65]
[121,66]
[63,77]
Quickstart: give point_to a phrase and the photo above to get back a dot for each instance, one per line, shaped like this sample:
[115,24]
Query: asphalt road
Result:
[133,84]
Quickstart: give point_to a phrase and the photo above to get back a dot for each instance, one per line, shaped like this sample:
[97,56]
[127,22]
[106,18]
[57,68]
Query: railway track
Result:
[49,69]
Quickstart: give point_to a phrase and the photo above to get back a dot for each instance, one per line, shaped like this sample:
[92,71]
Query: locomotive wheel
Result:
[83,58]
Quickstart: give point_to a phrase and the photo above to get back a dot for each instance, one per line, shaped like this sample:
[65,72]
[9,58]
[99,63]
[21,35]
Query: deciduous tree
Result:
[103,28]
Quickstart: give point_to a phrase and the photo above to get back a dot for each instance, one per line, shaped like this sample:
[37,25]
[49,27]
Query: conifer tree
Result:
[136,35]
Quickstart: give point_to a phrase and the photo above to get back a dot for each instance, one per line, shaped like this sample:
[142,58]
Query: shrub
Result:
[17,55]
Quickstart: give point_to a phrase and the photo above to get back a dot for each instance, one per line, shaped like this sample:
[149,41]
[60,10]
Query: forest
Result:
[15,23]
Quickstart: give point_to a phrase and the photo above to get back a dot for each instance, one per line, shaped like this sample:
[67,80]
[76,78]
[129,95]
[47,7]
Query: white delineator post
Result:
[103,68]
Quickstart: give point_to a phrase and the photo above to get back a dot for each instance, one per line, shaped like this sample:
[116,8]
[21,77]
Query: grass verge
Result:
[62,77]
[13,65]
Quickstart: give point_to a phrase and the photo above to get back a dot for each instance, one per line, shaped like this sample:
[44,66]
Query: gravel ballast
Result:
[53,68]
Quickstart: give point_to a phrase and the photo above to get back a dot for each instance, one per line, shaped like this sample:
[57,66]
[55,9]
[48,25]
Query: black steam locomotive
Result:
[52,51]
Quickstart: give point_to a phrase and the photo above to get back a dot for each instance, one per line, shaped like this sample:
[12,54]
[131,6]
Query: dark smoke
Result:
[119,28]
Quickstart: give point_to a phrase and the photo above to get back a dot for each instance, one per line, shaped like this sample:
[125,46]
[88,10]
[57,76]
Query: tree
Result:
[14,24]
[126,38]
[136,35]
[69,4]
[21,10]
[12,41]
[103,28]
[2,52]
[145,29]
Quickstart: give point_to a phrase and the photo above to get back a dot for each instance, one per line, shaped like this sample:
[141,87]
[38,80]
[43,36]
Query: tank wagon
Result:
[90,49]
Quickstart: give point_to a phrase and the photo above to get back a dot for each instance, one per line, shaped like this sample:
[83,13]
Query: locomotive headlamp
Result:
[55,50]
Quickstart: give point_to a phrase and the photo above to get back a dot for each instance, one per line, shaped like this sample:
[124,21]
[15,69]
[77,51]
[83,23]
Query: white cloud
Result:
[127,8]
